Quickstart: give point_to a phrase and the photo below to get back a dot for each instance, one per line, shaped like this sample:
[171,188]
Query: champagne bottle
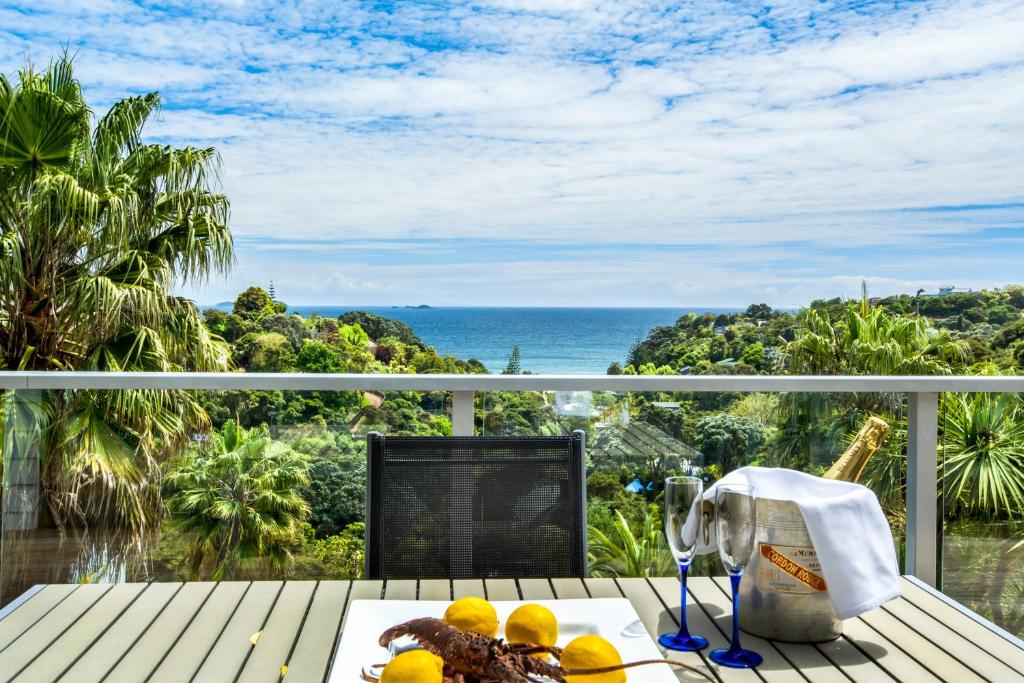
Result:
[869,439]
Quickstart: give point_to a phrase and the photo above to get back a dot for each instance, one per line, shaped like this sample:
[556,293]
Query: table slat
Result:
[464,588]
[396,589]
[917,646]
[569,589]
[62,652]
[657,620]
[366,590]
[854,663]
[536,589]
[972,656]
[778,663]
[603,588]
[50,627]
[28,613]
[314,649]
[156,639]
[107,650]
[279,635]
[435,589]
[199,636]
[225,660]
[983,637]
[885,653]
[501,589]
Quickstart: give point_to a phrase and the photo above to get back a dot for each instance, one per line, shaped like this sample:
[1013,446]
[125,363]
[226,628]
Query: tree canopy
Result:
[96,226]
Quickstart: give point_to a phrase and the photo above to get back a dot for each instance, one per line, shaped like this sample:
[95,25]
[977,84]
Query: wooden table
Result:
[247,631]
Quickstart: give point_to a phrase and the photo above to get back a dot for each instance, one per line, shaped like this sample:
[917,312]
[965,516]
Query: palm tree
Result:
[623,553]
[983,453]
[869,340]
[866,340]
[235,498]
[95,228]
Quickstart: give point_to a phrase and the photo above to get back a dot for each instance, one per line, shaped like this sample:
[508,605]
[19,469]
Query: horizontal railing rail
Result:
[922,416]
[382,382]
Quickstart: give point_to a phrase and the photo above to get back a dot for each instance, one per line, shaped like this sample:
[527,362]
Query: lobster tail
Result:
[432,634]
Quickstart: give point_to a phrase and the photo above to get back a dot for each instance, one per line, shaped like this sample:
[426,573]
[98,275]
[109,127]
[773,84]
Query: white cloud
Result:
[802,126]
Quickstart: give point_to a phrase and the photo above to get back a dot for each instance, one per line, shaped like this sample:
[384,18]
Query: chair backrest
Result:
[475,507]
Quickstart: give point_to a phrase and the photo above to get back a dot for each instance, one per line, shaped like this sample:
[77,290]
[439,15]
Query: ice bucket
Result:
[783,595]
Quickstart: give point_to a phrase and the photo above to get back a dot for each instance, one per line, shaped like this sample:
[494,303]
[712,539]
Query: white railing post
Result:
[922,486]
[462,413]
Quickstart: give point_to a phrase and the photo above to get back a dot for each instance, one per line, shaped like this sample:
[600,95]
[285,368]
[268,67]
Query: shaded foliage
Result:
[235,499]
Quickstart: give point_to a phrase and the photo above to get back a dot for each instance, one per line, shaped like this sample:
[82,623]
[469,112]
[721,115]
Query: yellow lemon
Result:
[592,652]
[473,614]
[414,666]
[533,624]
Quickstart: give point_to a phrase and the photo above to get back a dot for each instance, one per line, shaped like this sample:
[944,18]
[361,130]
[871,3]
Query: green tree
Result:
[604,485]
[872,341]
[1009,335]
[336,494]
[342,555]
[235,500]
[255,303]
[316,356]
[96,226]
[353,334]
[378,327]
[514,365]
[291,327]
[264,352]
[728,440]
[753,355]
[623,552]
[227,326]
[983,453]
[759,312]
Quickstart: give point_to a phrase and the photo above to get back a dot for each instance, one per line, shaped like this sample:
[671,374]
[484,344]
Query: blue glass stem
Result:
[684,569]
[734,647]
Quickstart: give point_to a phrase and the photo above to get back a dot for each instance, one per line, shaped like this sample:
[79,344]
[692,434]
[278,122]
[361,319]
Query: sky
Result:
[578,153]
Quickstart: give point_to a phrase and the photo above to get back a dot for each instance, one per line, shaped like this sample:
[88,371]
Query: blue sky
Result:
[526,152]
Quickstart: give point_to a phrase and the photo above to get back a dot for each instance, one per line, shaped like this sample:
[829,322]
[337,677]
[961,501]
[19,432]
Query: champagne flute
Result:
[684,497]
[735,517]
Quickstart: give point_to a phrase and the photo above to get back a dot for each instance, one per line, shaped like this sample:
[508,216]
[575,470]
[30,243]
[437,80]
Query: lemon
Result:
[472,614]
[592,652]
[414,666]
[532,624]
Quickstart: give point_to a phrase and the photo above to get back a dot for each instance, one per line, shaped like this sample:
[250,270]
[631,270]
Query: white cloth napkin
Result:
[847,527]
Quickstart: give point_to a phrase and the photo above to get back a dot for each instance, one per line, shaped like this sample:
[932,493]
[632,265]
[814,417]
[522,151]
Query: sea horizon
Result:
[298,308]
[551,339]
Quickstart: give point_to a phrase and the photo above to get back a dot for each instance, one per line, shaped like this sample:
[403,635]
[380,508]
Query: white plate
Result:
[610,618]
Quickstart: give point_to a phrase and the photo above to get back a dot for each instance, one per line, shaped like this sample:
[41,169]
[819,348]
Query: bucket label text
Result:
[790,569]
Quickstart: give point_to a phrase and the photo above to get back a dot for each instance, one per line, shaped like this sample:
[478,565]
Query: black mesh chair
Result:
[475,507]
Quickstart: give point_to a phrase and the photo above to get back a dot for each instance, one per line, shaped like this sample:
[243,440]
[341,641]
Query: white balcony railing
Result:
[922,418]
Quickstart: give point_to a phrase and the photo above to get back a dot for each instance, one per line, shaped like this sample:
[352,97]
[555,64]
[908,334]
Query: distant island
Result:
[421,306]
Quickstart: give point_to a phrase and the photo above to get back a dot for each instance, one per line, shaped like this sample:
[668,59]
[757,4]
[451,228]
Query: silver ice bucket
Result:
[783,595]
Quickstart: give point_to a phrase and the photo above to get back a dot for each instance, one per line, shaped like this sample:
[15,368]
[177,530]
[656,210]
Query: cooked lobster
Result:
[474,658]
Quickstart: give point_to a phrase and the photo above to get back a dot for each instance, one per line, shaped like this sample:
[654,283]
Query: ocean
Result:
[551,340]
